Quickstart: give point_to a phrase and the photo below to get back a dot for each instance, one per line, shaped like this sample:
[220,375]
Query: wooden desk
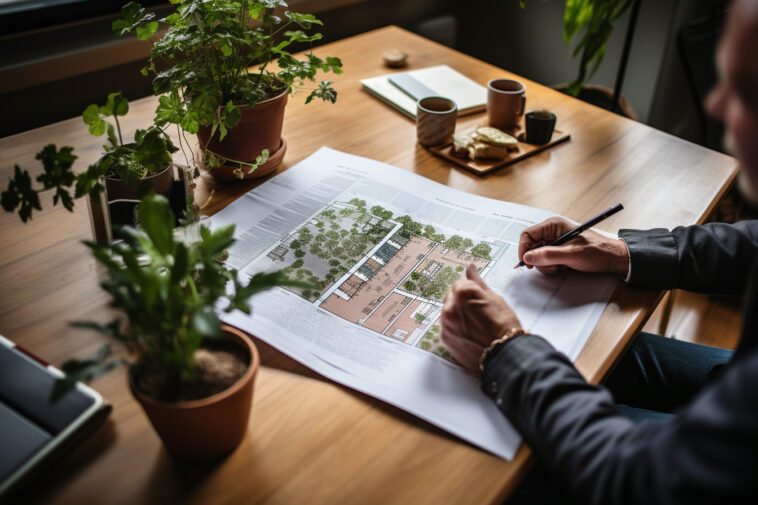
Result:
[311,441]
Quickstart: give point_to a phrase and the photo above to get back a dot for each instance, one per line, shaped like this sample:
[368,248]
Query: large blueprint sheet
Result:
[381,247]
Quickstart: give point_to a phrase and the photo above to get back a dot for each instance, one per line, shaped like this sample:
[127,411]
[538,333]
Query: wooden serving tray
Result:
[482,167]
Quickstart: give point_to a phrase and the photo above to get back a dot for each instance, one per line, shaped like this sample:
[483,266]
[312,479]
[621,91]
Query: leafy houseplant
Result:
[125,164]
[596,18]
[592,21]
[167,290]
[149,153]
[212,68]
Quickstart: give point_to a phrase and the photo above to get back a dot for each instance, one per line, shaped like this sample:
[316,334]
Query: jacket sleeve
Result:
[712,258]
[705,454]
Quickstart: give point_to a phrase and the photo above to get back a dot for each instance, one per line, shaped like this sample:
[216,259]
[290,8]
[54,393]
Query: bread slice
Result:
[461,143]
[490,135]
[482,150]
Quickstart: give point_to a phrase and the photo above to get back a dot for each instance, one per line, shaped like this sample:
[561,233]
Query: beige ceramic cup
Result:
[506,100]
[435,120]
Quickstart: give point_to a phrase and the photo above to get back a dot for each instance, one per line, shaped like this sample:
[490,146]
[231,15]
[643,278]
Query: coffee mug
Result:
[435,120]
[506,100]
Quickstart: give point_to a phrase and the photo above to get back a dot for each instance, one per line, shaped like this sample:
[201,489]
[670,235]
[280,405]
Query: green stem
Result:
[181,144]
[267,54]
[118,128]
[193,289]
[227,160]
[285,25]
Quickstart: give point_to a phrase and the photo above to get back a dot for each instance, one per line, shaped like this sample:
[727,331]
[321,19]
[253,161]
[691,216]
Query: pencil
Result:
[579,229]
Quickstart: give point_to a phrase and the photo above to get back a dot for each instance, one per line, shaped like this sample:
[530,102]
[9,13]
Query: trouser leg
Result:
[655,376]
[661,374]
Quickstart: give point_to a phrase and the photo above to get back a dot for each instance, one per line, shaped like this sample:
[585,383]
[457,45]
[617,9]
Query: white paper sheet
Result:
[373,324]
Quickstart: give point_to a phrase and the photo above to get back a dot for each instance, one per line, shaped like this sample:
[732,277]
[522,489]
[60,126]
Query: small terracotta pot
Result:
[117,190]
[259,128]
[208,428]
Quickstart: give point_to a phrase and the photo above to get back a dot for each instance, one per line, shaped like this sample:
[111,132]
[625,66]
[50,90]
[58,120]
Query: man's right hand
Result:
[589,252]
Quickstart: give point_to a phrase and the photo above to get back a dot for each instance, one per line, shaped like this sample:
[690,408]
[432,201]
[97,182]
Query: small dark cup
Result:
[539,126]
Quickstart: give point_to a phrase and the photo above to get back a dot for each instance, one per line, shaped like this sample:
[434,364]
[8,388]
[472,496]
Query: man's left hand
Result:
[472,317]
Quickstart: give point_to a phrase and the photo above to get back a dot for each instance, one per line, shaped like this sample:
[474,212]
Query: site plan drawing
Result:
[389,274]
[381,247]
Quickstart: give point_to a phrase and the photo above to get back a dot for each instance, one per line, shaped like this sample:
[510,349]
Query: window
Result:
[24,15]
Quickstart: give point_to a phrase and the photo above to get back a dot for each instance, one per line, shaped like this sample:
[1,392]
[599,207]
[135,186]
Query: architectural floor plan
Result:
[382,272]
[379,247]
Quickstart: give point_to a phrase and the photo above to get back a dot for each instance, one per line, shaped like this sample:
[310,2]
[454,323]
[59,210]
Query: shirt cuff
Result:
[654,256]
[508,360]
[629,258]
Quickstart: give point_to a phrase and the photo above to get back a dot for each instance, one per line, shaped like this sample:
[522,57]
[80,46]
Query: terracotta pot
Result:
[117,190]
[259,128]
[208,428]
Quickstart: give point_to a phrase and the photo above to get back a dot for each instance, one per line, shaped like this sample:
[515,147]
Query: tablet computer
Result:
[34,430]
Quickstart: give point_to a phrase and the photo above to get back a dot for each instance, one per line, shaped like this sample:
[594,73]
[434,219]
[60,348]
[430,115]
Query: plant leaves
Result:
[112,329]
[146,31]
[259,160]
[152,149]
[259,282]
[170,109]
[84,370]
[115,105]
[305,21]
[324,91]
[135,18]
[91,117]
[179,268]
[595,19]
[231,115]
[215,241]
[20,194]
[207,323]
[335,64]
[157,220]
[57,174]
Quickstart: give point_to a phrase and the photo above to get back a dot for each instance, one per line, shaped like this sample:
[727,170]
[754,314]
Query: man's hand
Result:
[589,252]
[473,316]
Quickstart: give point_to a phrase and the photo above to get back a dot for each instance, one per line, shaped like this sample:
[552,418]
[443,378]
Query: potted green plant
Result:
[193,377]
[125,169]
[211,67]
[591,22]
[594,20]
[130,167]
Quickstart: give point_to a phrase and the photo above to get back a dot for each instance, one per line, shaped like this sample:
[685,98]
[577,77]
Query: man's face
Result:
[734,100]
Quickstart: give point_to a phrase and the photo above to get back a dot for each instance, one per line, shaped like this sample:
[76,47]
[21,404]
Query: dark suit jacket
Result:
[708,452]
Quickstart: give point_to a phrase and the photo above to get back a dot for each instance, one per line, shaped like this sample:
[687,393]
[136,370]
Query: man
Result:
[704,447]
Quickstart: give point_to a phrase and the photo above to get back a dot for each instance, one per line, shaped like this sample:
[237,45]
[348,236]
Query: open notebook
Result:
[402,90]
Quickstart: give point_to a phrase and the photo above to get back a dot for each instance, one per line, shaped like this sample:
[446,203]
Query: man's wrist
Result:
[505,336]
[623,263]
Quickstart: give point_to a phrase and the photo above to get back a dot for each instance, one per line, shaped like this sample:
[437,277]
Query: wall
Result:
[673,110]
[530,42]
[53,75]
